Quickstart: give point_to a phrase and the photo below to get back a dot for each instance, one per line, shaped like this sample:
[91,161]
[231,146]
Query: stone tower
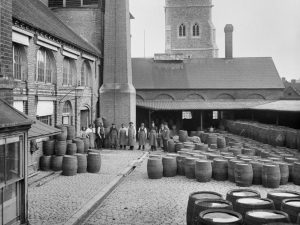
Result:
[117,94]
[189,28]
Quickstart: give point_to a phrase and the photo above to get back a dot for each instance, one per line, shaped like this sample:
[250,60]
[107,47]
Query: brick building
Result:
[291,90]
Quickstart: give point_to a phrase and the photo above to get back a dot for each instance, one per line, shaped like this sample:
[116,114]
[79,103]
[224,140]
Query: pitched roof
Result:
[10,117]
[207,73]
[40,130]
[37,15]
[281,105]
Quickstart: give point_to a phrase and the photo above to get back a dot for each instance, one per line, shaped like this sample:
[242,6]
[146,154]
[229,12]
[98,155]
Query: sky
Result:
[262,28]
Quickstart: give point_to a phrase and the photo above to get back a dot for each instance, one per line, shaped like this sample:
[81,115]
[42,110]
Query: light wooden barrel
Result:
[69,165]
[81,163]
[155,168]
[93,162]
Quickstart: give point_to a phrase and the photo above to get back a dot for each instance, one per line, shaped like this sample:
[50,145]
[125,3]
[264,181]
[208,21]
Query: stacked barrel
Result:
[69,154]
[243,206]
[220,159]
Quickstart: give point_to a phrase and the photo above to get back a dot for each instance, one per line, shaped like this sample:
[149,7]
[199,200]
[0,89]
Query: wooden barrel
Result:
[244,205]
[203,170]
[60,147]
[292,208]
[231,165]
[205,204]
[180,165]
[178,146]
[263,216]
[91,140]
[202,195]
[71,149]
[183,135]
[296,173]
[202,147]
[80,145]
[236,151]
[56,163]
[271,176]
[71,132]
[169,166]
[243,174]
[189,167]
[45,162]
[248,151]
[220,169]
[236,194]
[171,145]
[63,135]
[291,138]
[69,165]
[212,139]
[155,168]
[93,162]
[204,138]
[257,172]
[69,141]
[284,172]
[279,195]
[220,217]
[48,147]
[81,163]
[86,144]
[221,142]
[291,159]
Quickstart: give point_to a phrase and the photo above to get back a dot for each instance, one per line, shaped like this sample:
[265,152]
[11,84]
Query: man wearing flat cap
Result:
[131,135]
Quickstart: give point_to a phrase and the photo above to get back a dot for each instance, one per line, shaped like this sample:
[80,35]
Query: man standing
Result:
[101,136]
[123,132]
[142,135]
[153,136]
[113,135]
[131,135]
[166,136]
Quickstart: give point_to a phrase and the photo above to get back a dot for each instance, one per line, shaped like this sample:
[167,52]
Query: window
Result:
[187,115]
[46,68]
[19,63]
[45,119]
[67,118]
[215,115]
[86,74]
[196,30]
[182,30]
[90,2]
[69,71]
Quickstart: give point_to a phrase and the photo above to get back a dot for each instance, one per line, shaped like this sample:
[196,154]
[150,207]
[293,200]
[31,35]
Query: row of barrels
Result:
[242,170]
[269,134]
[243,206]
[72,164]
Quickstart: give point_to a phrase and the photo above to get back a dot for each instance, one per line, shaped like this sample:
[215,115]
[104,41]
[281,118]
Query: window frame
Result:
[86,74]
[45,118]
[48,66]
[182,31]
[22,62]
[195,30]
[69,72]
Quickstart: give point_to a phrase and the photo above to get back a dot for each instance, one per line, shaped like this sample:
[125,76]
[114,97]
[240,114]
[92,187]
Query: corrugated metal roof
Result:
[207,73]
[200,105]
[37,15]
[40,130]
[282,105]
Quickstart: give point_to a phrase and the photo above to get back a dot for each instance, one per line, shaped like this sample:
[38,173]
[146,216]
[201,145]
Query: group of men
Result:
[126,136]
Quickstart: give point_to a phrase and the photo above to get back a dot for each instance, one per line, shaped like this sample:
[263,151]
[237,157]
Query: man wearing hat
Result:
[142,135]
[113,134]
[131,135]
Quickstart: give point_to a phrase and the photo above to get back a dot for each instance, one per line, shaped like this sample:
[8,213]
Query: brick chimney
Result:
[228,41]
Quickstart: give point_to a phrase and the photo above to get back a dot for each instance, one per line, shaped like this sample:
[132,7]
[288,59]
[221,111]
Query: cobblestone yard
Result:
[139,200]
[57,200]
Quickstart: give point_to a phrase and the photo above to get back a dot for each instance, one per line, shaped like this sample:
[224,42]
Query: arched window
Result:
[69,71]
[182,30]
[67,116]
[20,62]
[196,30]
[86,73]
[46,68]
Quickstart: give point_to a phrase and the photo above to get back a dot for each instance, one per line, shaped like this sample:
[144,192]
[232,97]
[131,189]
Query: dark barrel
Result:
[60,147]
[235,194]
[244,205]
[203,170]
[271,176]
[69,165]
[45,162]
[48,147]
[284,172]
[296,173]
[220,217]
[279,195]
[71,132]
[263,216]
[231,165]
[80,145]
[81,163]
[63,135]
[71,149]
[220,169]
[180,165]
[93,162]
[212,139]
[183,135]
[292,208]
[189,167]
[169,166]
[205,204]
[171,146]
[202,195]
[155,168]
[243,174]
[257,171]
[56,163]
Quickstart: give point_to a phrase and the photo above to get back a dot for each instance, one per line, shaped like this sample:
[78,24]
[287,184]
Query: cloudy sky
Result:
[261,28]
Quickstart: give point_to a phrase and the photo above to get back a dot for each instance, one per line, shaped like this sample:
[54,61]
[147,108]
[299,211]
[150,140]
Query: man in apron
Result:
[166,136]
[142,135]
[113,134]
[153,136]
[131,135]
[100,136]
[123,132]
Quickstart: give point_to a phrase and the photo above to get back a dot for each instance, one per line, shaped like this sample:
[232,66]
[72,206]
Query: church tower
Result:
[189,28]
